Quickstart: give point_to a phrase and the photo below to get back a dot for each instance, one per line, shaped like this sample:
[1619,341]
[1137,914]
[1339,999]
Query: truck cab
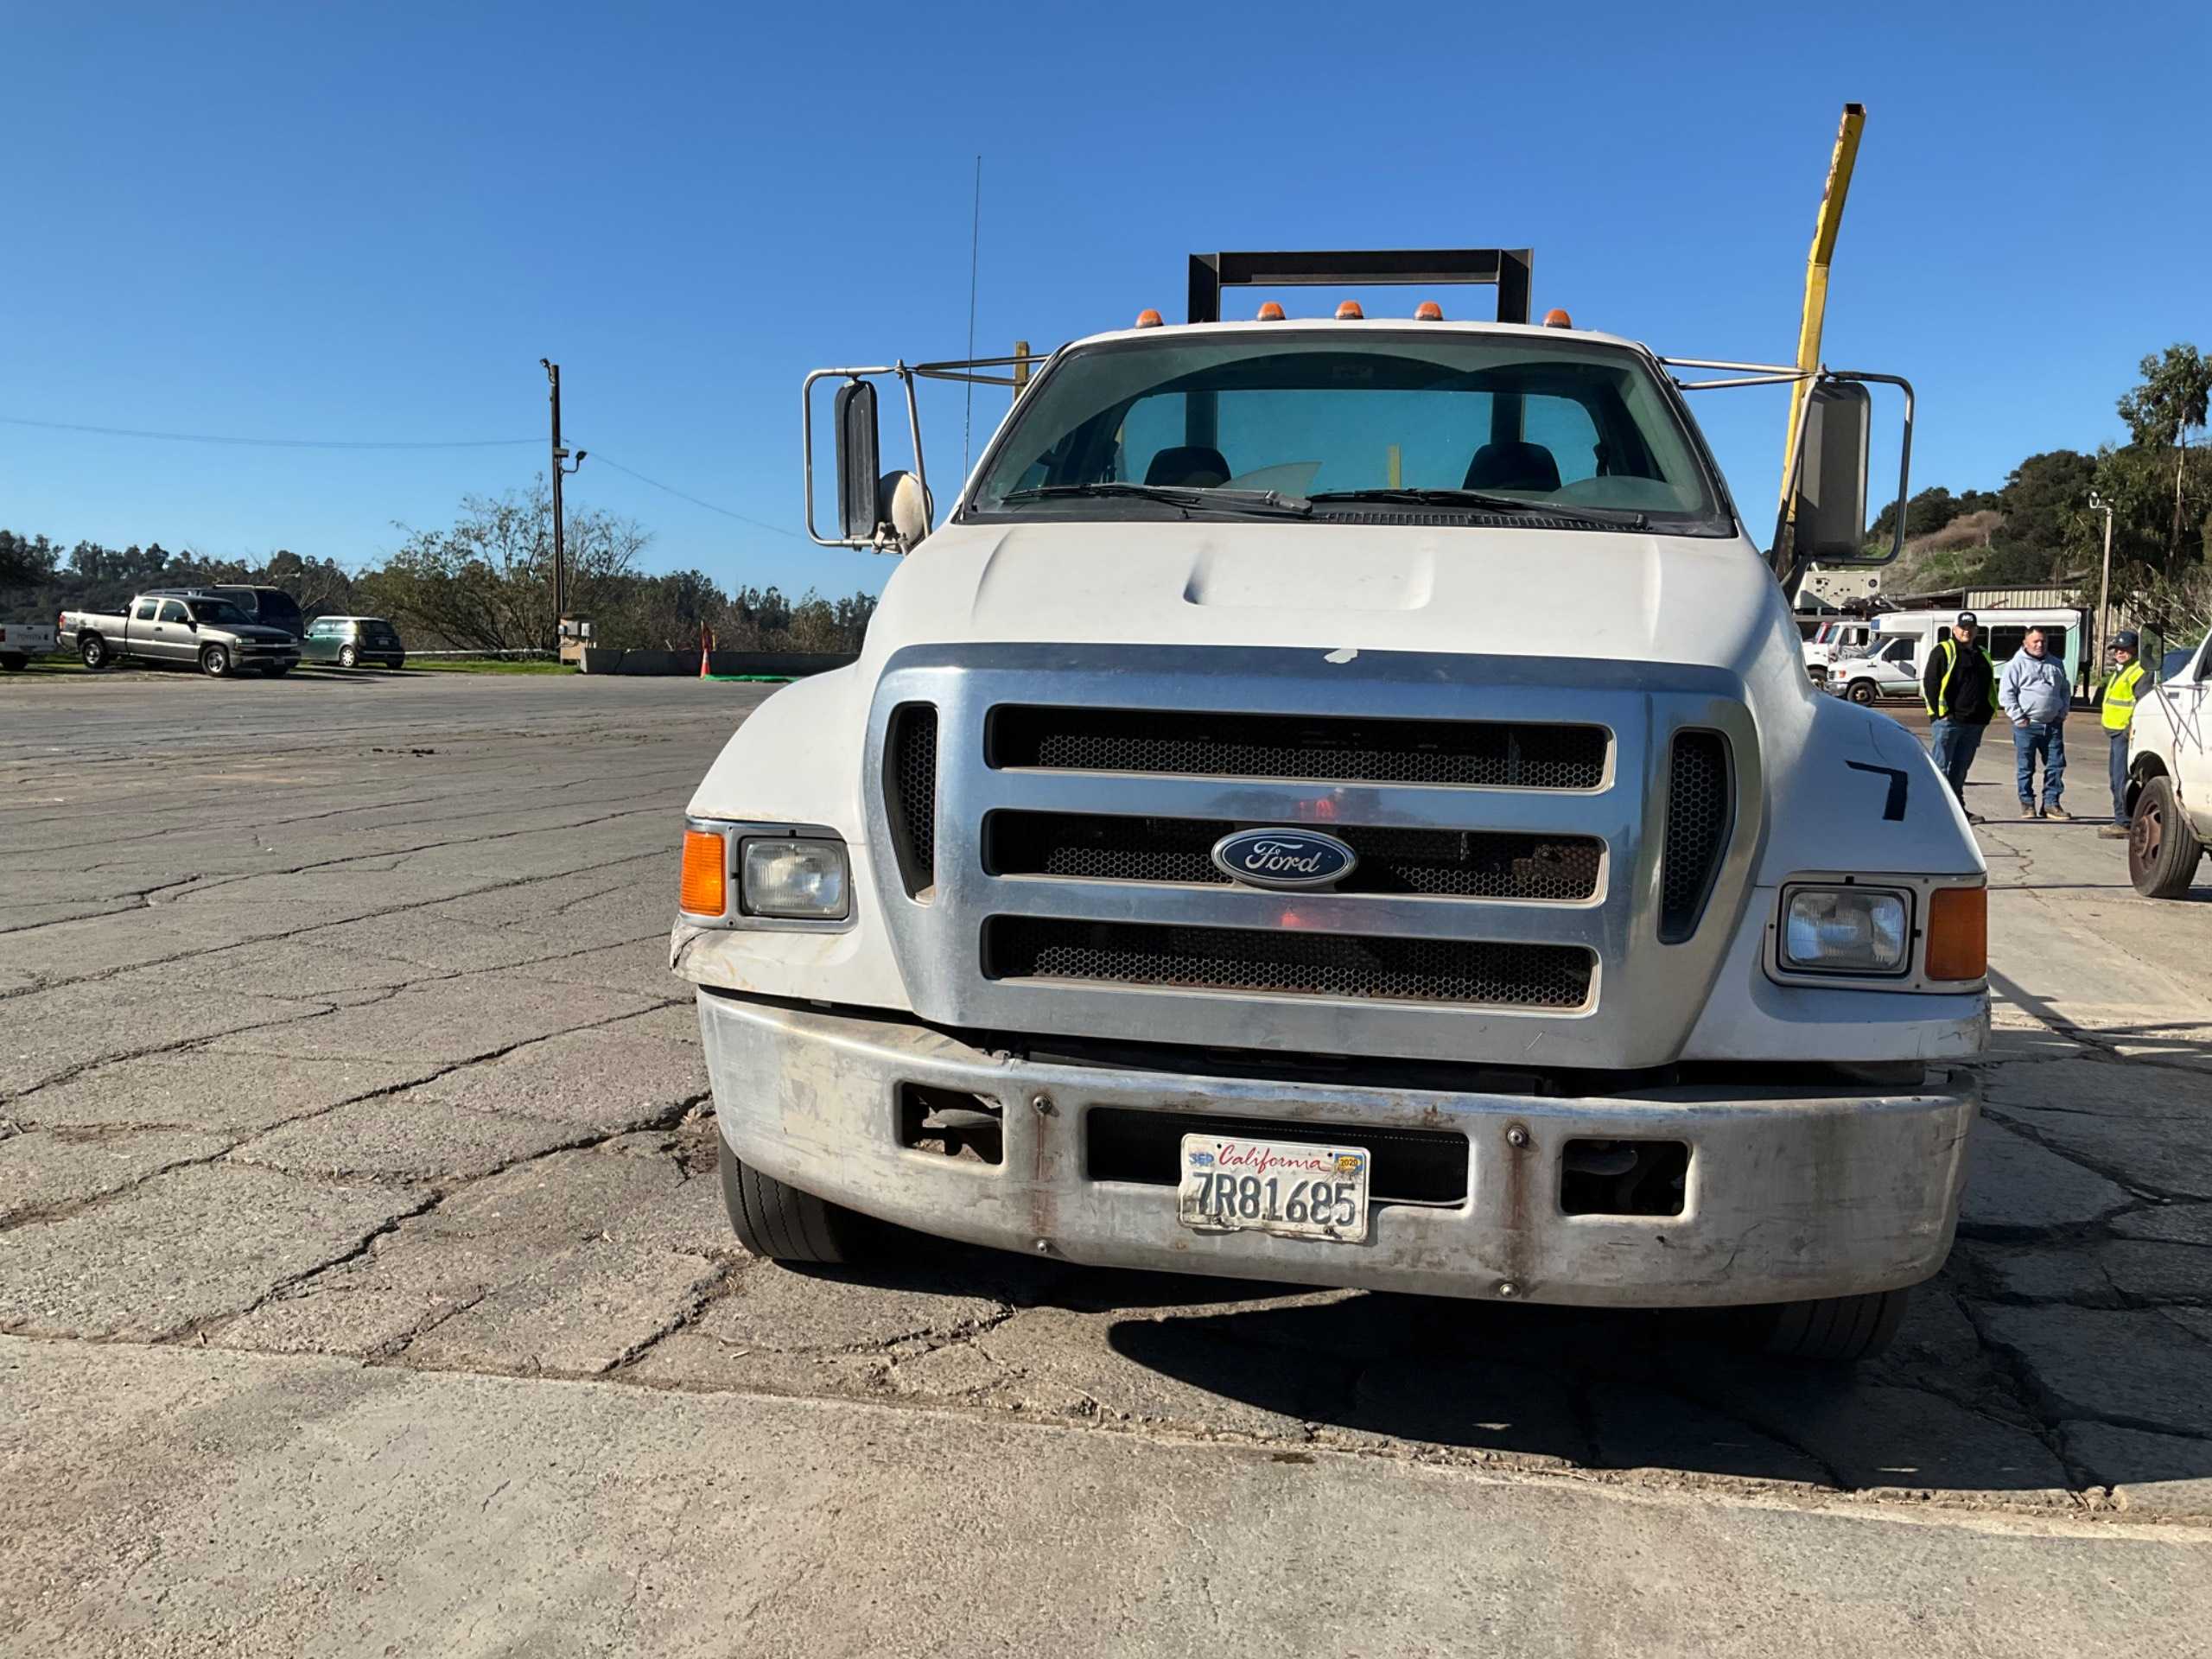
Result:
[1222,859]
[2170,774]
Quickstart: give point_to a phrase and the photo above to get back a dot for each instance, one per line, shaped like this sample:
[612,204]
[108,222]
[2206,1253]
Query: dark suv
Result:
[270,606]
[349,641]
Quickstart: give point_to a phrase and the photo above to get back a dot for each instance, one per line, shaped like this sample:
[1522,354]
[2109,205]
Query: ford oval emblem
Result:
[1283,858]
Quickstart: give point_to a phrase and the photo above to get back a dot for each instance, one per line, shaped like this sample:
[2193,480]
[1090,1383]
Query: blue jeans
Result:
[2119,776]
[2044,740]
[1953,745]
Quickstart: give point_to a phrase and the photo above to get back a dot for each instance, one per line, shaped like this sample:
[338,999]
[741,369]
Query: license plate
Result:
[1292,1190]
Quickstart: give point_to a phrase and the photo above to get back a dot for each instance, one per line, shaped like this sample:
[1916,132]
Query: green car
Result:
[349,641]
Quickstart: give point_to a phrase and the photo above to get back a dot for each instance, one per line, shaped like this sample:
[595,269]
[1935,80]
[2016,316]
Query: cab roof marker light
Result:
[1349,311]
[1556,318]
[1270,312]
[1147,318]
[1428,311]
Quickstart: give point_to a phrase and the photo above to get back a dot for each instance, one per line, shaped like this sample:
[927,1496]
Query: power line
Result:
[974,247]
[267,443]
[681,495]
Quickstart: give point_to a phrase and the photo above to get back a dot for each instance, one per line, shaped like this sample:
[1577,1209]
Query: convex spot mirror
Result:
[1830,508]
[858,467]
[903,504]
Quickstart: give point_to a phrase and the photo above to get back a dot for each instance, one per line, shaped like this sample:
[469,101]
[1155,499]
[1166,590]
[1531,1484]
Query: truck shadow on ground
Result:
[1680,1392]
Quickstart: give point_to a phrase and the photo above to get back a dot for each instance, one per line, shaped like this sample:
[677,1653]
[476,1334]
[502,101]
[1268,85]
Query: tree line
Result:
[2039,527]
[483,583]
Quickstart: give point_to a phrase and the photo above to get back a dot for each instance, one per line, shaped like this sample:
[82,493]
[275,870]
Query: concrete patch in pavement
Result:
[300,1505]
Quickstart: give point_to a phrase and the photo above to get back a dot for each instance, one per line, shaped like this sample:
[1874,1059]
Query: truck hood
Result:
[1613,595]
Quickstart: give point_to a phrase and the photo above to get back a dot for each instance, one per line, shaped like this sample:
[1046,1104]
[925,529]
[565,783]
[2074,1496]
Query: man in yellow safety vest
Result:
[2120,693]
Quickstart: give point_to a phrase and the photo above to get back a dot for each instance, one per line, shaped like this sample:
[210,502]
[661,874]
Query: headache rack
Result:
[1506,269]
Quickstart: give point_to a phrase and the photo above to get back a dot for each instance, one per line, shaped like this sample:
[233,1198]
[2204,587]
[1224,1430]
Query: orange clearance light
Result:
[1147,318]
[1556,318]
[1349,311]
[1428,311]
[1270,312]
[704,890]
[1958,933]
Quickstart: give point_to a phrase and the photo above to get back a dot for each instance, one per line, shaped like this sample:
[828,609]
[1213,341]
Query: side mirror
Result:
[1830,516]
[903,504]
[857,465]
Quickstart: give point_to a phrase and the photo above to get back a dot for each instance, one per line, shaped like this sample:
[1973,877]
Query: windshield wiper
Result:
[1483,501]
[1245,503]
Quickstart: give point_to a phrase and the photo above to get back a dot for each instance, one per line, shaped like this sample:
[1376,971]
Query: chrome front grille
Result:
[1186,744]
[1518,840]
[1454,863]
[1474,972]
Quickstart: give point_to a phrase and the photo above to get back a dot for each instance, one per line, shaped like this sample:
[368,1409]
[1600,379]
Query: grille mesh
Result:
[1323,749]
[1308,964]
[911,759]
[1462,864]
[1699,811]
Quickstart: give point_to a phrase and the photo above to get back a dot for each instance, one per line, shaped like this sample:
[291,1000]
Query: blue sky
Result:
[368,224]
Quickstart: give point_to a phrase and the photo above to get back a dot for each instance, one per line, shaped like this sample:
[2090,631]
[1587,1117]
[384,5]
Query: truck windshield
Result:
[1501,427]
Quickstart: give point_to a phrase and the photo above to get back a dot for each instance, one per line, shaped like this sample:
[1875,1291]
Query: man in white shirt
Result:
[2034,693]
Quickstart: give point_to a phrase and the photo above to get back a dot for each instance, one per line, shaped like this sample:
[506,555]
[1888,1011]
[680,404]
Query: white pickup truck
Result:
[21,641]
[2170,774]
[1222,859]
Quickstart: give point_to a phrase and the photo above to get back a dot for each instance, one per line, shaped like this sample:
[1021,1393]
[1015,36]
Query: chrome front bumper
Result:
[1792,1195]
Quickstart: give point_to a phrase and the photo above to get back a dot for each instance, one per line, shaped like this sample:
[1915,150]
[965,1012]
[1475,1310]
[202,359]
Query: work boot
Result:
[2058,813]
[2113,832]
[2027,808]
[1976,818]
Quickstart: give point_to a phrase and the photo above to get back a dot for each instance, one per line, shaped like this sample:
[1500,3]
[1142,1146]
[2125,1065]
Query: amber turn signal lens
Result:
[705,888]
[1958,933]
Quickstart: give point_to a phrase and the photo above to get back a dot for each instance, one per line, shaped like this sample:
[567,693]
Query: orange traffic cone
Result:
[706,647]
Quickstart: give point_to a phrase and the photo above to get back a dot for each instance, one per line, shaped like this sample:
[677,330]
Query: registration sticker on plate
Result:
[1232,1184]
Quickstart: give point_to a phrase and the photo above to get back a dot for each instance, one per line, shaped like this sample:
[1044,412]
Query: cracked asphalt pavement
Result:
[364,1287]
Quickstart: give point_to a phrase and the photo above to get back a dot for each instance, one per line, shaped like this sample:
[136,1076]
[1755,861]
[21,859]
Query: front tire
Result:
[776,1220]
[2161,850]
[349,657]
[1836,1330]
[92,651]
[1861,691]
[214,662]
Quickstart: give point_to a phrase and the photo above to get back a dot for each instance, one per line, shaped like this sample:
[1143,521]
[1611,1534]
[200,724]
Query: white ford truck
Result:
[1222,859]
[2170,774]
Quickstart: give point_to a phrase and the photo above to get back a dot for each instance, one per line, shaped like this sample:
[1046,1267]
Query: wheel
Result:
[2162,849]
[347,657]
[14,662]
[1836,1329]
[94,651]
[214,661]
[397,663]
[781,1223]
[276,671]
[1861,691]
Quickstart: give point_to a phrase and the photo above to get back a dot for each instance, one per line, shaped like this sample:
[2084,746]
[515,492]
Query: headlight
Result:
[798,881]
[1847,930]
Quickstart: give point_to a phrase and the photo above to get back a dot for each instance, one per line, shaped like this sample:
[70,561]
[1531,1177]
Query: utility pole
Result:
[2098,503]
[560,530]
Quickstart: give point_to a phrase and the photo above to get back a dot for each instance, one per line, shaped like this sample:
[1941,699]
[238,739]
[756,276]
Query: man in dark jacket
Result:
[1958,685]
